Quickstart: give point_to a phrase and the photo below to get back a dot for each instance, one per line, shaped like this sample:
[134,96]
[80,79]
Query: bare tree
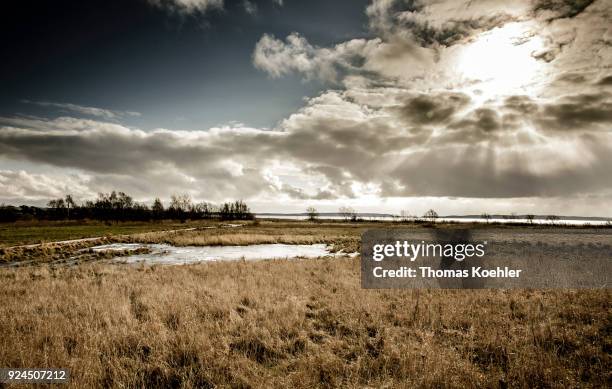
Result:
[157,208]
[486,216]
[203,209]
[236,210]
[57,204]
[347,213]
[58,207]
[552,218]
[431,215]
[404,215]
[180,202]
[118,206]
[69,204]
[530,218]
[312,213]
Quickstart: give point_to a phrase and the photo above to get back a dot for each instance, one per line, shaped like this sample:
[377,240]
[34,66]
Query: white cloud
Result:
[84,110]
[188,6]
[249,7]
[23,187]
[296,54]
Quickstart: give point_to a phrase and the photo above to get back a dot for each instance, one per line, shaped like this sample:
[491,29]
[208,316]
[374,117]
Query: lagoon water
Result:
[174,255]
[560,222]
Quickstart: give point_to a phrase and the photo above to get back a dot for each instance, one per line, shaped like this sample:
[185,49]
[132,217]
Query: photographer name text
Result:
[455,251]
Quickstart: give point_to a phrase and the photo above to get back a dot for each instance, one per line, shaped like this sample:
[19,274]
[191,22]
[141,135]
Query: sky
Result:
[385,105]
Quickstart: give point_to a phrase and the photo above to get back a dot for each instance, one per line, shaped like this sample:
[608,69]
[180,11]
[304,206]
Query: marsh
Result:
[301,322]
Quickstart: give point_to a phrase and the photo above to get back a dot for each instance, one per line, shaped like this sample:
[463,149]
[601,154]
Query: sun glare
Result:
[502,60]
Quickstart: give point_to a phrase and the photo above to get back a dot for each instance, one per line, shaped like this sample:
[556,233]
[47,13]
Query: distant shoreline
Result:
[493,217]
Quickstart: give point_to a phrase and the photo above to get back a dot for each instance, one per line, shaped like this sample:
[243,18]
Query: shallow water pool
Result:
[174,255]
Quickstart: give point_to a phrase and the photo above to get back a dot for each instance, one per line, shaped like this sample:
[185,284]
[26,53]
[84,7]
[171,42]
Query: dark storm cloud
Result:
[605,81]
[485,119]
[568,116]
[452,31]
[325,195]
[300,194]
[521,104]
[478,126]
[475,171]
[572,78]
[429,109]
[559,9]
[578,112]
[461,170]
[570,113]
[429,26]
[294,193]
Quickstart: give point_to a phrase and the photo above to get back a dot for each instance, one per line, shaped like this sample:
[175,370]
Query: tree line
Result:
[118,206]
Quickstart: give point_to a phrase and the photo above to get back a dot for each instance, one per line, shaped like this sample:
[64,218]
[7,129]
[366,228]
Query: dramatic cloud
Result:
[470,151]
[427,109]
[527,115]
[497,46]
[441,23]
[407,144]
[559,9]
[579,112]
[446,101]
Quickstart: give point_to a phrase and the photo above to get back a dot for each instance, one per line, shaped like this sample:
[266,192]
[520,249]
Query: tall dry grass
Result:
[294,324]
[47,252]
[228,239]
[339,237]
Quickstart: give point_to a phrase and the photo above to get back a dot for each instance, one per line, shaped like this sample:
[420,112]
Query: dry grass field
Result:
[32,232]
[341,236]
[293,323]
